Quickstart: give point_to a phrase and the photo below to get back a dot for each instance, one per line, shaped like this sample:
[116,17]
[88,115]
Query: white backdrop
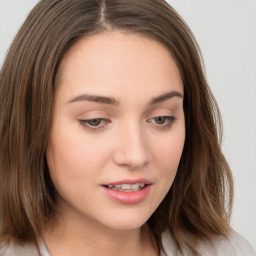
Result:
[226,32]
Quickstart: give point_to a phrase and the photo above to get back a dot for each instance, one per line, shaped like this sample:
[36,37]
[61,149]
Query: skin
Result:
[129,143]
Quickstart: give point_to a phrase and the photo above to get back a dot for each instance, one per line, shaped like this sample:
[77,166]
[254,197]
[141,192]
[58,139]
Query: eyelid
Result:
[84,123]
[170,120]
[100,116]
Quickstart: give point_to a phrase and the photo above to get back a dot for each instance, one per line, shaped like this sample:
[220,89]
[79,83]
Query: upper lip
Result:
[129,181]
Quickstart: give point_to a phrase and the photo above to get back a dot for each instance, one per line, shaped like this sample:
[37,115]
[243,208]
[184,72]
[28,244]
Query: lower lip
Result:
[127,197]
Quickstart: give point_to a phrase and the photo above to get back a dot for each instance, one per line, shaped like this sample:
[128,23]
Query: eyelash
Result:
[168,122]
[84,123]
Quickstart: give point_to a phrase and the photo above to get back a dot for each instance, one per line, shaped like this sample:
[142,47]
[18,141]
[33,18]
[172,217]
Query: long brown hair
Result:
[200,199]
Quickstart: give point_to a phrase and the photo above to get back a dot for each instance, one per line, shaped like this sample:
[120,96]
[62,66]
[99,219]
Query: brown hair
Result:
[200,198]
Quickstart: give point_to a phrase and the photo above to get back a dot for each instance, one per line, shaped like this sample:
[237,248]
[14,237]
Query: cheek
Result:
[72,156]
[166,154]
[169,150]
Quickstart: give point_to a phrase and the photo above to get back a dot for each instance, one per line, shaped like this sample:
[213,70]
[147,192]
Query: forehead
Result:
[117,62]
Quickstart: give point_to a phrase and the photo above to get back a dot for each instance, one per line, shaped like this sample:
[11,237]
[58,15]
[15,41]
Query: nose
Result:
[131,150]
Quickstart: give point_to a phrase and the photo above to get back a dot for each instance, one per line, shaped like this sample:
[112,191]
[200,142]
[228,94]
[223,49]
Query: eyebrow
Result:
[113,101]
[165,96]
[95,98]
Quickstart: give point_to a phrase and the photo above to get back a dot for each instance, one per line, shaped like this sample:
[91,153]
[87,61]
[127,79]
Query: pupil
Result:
[160,120]
[94,122]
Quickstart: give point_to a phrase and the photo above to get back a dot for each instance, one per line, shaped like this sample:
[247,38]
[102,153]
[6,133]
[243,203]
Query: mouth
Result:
[126,187]
[128,191]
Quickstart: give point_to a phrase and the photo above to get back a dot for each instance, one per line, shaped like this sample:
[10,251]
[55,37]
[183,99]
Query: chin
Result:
[128,221]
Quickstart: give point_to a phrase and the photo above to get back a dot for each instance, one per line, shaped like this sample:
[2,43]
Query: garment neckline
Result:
[43,248]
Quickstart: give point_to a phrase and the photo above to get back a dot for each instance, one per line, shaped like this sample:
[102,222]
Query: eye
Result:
[93,123]
[163,121]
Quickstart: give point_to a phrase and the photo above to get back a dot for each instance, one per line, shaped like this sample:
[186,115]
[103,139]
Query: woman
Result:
[110,136]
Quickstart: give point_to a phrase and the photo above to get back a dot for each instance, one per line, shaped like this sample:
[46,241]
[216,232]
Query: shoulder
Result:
[234,244]
[21,249]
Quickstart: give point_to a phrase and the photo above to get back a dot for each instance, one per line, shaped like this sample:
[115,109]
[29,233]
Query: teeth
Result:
[135,186]
[127,187]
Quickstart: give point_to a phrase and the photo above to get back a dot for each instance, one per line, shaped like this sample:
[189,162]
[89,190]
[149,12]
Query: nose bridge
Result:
[132,147]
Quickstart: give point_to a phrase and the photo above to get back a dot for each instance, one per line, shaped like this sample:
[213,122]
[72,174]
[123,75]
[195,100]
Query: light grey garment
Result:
[17,249]
[24,249]
[234,245]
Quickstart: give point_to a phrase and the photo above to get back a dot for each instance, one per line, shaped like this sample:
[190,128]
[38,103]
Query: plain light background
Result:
[226,32]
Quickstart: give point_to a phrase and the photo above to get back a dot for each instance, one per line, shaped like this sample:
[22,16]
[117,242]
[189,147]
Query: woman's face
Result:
[118,129]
